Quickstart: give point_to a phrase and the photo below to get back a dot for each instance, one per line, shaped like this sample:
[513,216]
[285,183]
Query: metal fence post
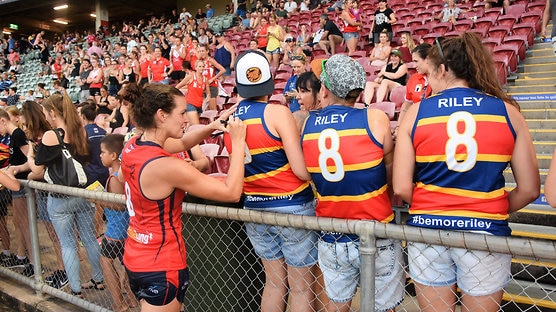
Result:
[367,252]
[34,233]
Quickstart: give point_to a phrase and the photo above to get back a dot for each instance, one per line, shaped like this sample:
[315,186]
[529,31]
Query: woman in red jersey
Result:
[155,185]
[197,85]
[452,149]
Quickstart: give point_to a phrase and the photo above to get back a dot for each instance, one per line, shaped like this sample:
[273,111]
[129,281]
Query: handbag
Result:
[67,171]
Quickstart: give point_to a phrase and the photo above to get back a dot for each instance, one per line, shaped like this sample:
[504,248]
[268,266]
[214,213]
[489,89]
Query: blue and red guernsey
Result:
[155,241]
[463,142]
[269,180]
[347,165]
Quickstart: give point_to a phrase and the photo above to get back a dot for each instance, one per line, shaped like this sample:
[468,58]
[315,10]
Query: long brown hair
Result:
[64,108]
[35,121]
[469,60]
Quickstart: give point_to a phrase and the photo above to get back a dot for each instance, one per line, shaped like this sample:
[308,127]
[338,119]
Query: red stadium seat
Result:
[511,54]
[518,38]
[498,32]
[526,29]
[422,30]
[501,71]
[485,22]
[451,34]
[516,8]
[494,12]
[430,37]
[387,107]
[442,27]
[534,17]
[491,42]
[507,20]
[463,25]
[397,95]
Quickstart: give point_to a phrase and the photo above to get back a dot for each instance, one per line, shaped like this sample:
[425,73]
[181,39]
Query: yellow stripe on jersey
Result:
[263,150]
[462,213]
[459,192]
[462,157]
[297,190]
[267,174]
[253,121]
[350,132]
[444,119]
[354,167]
[360,197]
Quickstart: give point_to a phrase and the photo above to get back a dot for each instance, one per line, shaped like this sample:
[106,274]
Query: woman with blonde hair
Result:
[406,47]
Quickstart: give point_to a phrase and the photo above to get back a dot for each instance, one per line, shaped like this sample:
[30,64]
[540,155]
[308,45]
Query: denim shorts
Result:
[351,35]
[298,247]
[19,194]
[340,265]
[193,108]
[477,273]
[275,51]
[159,288]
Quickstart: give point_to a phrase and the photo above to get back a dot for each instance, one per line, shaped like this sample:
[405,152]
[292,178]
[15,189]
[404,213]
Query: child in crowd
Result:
[117,222]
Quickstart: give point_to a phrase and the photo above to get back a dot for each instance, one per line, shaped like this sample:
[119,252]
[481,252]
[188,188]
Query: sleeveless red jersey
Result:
[155,241]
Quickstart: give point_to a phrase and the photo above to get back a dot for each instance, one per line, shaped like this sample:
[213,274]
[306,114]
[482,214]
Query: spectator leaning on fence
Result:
[350,161]
[156,182]
[67,212]
[276,180]
[451,152]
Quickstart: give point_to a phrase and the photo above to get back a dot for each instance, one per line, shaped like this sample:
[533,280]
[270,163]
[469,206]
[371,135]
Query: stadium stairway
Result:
[533,86]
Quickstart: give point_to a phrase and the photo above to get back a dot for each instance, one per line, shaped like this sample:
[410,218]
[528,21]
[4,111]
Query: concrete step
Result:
[539,113]
[534,104]
[540,52]
[541,123]
[537,74]
[538,297]
[535,215]
[534,59]
[545,88]
[530,81]
[543,134]
[544,147]
[532,64]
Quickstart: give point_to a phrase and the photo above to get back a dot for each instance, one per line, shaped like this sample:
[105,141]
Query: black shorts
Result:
[177,75]
[94,91]
[144,81]
[159,288]
[112,249]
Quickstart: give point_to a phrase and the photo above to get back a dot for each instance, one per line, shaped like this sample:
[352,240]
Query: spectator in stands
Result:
[44,70]
[304,5]
[120,113]
[290,49]
[261,33]
[159,68]
[225,54]
[290,6]
[13,97]
[446,147]
[184,15]
[111,73]
[241,10]
[287,254]
[417,85]
[84,71]
[58,88]
[177,55]
[304,38]
[200,14]
[102,104]
[95,79]
[352,24]
[275,36]
[210,11]
[57,68]
[281,12]
[451,12]
[197,86]
[336,6]
[18,147]
[212,71]
[360,137]
[407,45]
[390,76]
[117,222]
[157,267]
[381,51]
[384,18]
[331,35]
[549,14]
[144,64]
[497,4]
[299,66]
[94,49]
[41,89]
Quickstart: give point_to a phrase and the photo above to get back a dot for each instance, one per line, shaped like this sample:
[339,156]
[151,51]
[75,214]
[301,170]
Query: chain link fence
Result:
[75,248]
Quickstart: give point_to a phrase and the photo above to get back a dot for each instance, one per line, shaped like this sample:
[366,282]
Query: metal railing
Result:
[226,275]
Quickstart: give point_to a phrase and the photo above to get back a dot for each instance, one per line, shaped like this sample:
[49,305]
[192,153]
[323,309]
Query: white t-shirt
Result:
[290,6]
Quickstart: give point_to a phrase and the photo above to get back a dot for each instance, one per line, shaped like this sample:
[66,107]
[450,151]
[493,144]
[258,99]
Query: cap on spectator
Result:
[341,74]
[176,27]
[253,76]
[39,96]
[289,39]
[396,52]
[218,34]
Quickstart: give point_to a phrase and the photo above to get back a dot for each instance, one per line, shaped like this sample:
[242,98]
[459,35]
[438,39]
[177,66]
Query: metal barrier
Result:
[225,273]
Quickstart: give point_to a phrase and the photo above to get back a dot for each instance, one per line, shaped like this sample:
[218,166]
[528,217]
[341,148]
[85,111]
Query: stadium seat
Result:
[501,71]
[510,52]
[498,32]
[521,41]
[507,20]
[430,37]
[397,95]
[485,22]
[277,98]
[491,42]
[526,29]
[210,150]
[222,163]
[494,12]
[516,9]
[387,107]
[422,30]
[442,27]
[463,25]
[534,17]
